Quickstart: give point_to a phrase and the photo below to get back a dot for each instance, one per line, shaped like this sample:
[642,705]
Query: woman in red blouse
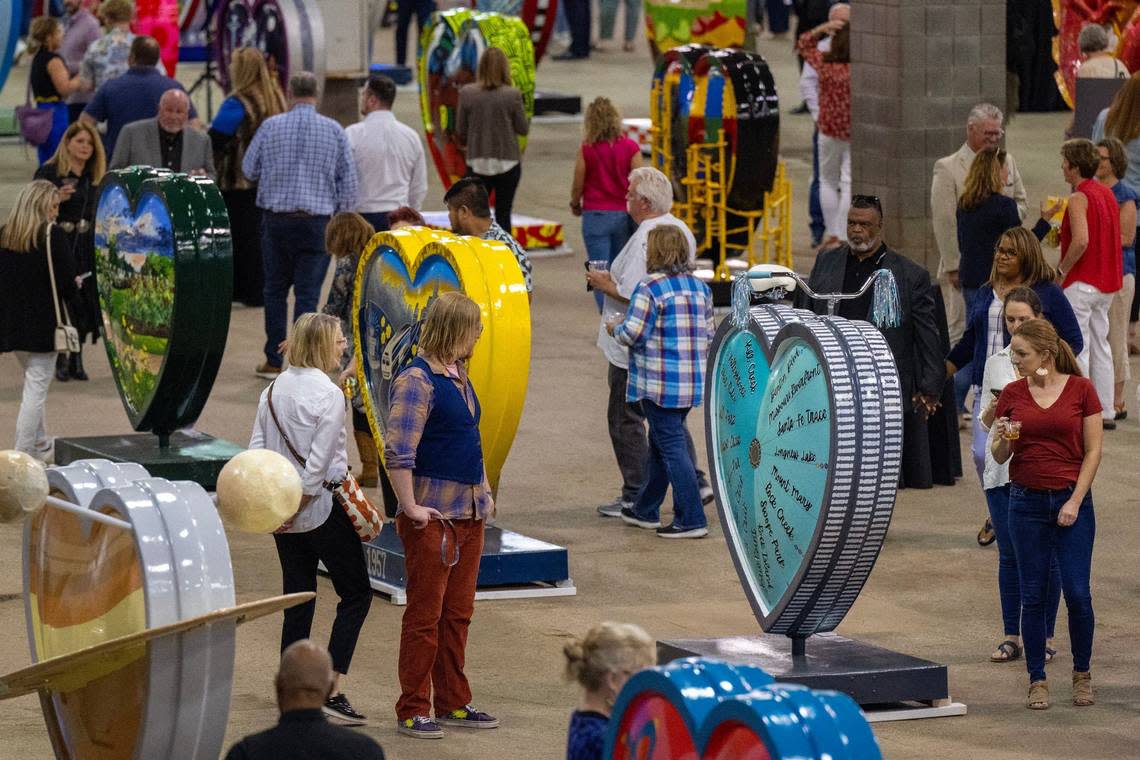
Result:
[1049,422]
[834,67]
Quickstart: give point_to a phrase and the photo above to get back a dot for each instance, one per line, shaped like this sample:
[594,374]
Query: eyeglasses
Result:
[447,525]
[1008,253]
[996,134]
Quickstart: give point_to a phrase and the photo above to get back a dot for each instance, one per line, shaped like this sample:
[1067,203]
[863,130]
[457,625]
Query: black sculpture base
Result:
[868,674]
[556,102]
[190,456]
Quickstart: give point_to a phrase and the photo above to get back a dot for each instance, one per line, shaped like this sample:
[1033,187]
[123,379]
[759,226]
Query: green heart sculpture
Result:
[164,267]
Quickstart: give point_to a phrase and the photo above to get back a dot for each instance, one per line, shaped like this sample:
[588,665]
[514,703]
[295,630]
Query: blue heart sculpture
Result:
[698,708]
[804,428]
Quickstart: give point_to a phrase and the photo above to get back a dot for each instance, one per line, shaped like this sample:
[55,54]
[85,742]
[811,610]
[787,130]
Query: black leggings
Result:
[336,544]
[503,186]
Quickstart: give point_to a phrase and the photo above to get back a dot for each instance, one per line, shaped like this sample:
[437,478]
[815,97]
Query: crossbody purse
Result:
[66,336]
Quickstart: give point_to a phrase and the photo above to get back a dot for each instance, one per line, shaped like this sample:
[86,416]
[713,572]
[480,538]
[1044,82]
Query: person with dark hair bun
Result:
[1049,429]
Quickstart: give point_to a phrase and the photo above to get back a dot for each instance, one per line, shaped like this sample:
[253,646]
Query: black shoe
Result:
[802,108]
[1109,425]
[568,56]
[61,369]
[75,367]
[672,531]
[338,707]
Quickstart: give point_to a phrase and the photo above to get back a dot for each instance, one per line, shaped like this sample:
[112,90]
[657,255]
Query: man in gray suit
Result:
[164,141]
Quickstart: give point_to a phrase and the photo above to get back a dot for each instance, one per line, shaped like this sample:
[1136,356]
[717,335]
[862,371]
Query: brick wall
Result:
[917,67]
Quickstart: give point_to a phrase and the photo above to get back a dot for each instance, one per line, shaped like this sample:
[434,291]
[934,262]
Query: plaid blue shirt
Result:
[668,327]
[301,161]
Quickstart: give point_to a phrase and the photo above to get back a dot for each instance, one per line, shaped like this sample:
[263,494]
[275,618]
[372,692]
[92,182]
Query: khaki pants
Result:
[955,304]
[1118,328]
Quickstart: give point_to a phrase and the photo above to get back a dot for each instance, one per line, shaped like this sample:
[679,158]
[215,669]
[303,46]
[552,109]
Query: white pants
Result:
[1091,309]
[31,437]
[834,184]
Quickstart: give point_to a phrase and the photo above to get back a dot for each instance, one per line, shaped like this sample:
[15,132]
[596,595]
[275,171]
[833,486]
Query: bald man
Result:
[164,141]
[304,681]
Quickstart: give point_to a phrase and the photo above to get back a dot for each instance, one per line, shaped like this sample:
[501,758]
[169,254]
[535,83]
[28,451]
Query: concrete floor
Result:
[932,595]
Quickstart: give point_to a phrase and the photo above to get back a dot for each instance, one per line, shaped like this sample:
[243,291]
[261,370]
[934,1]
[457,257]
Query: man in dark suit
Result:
[914,344]
[304,681]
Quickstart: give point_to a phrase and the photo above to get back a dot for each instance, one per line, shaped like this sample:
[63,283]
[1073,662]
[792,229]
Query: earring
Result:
[1041,372]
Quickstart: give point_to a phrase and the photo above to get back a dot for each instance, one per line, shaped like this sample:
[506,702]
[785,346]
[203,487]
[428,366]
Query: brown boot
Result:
[369,476]
[1082,689]
[1038,698]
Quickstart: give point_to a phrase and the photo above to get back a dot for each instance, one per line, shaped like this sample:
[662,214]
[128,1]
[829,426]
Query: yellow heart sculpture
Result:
[398,276]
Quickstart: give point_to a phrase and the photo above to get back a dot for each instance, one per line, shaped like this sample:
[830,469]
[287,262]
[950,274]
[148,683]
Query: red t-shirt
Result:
[1049,452]
[1102,264]
[607,174]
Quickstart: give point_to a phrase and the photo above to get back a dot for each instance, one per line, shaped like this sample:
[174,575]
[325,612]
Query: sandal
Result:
[1038,698]
[1009,649]
[1082,689]
[986,535]
[1050,653]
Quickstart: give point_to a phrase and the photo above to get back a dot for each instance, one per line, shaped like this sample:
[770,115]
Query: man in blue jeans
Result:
[303,167]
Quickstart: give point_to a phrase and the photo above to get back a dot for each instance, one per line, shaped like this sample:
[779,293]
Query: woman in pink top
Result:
[601,179]
[834,67]
[1091,268]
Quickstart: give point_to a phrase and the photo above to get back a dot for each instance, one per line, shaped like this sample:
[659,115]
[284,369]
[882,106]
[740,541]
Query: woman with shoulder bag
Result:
[36,277]
[76,169]
[48,80]
[301,416]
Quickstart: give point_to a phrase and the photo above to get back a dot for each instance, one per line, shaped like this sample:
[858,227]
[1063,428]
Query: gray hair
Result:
[836,8]
[654,187]
[304,84]
[984,112]
[1092,39]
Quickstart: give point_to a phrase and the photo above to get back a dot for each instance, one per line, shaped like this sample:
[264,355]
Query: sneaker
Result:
[613,509]
[267,371]
[468,717]
[629,518]
[707,495]
[672,531]
[339,707]
[419,727]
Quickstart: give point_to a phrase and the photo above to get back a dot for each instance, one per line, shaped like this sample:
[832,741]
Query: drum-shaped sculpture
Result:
[291,34]
[669,102]
[698,708]
[448,56]
[87,583]
[701,22]
[804,433]
[399,275]
[538,15]
[735,92]
[164,268]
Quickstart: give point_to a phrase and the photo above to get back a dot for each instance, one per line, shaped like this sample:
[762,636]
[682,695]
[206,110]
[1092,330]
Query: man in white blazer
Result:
[165,141]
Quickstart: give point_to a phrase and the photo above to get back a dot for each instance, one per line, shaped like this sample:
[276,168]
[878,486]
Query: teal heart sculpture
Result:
[164,268]
[804,428]
[698,708]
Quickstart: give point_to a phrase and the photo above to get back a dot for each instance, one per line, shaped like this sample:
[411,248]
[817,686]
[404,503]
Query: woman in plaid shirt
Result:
[667,326]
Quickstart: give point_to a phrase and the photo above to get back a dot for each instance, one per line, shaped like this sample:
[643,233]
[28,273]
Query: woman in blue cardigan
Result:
[1018,262]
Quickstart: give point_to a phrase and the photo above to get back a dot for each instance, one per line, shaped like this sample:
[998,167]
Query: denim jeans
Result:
[405,9]
[607,15]
[1036,538]
[1009,582]
[815,209]
[670,464]
[963,377]
[294,256]
[779,12]
[503,187]
[605,234]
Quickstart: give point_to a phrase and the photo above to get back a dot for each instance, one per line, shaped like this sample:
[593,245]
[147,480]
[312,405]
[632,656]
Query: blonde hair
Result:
[96,165]
[608,648]
[1031,262]
[1043,337]
[602,122]
[1123,119]
[667,250]
[28,216]
[983,179]
[450,320]
[41,30]
[250,78]
[347,233]
[313,343]
[494,70]
[113,12]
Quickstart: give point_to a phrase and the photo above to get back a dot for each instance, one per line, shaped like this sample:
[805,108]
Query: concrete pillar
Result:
[917,67]
[346,40]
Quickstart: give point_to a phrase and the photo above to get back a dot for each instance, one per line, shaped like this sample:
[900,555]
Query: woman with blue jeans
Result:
[667,327]
[601,181]
[1021,305]
[1049,423]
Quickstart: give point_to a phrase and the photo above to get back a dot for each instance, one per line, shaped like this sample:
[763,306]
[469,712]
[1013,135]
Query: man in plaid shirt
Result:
[302,164]
[667,328]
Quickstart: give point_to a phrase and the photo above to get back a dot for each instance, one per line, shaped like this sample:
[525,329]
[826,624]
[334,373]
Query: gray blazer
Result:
[138,145]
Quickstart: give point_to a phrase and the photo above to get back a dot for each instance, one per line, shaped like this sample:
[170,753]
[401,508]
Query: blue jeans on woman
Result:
[605,234]
[1036,538]
[669,464]
[1009,582]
